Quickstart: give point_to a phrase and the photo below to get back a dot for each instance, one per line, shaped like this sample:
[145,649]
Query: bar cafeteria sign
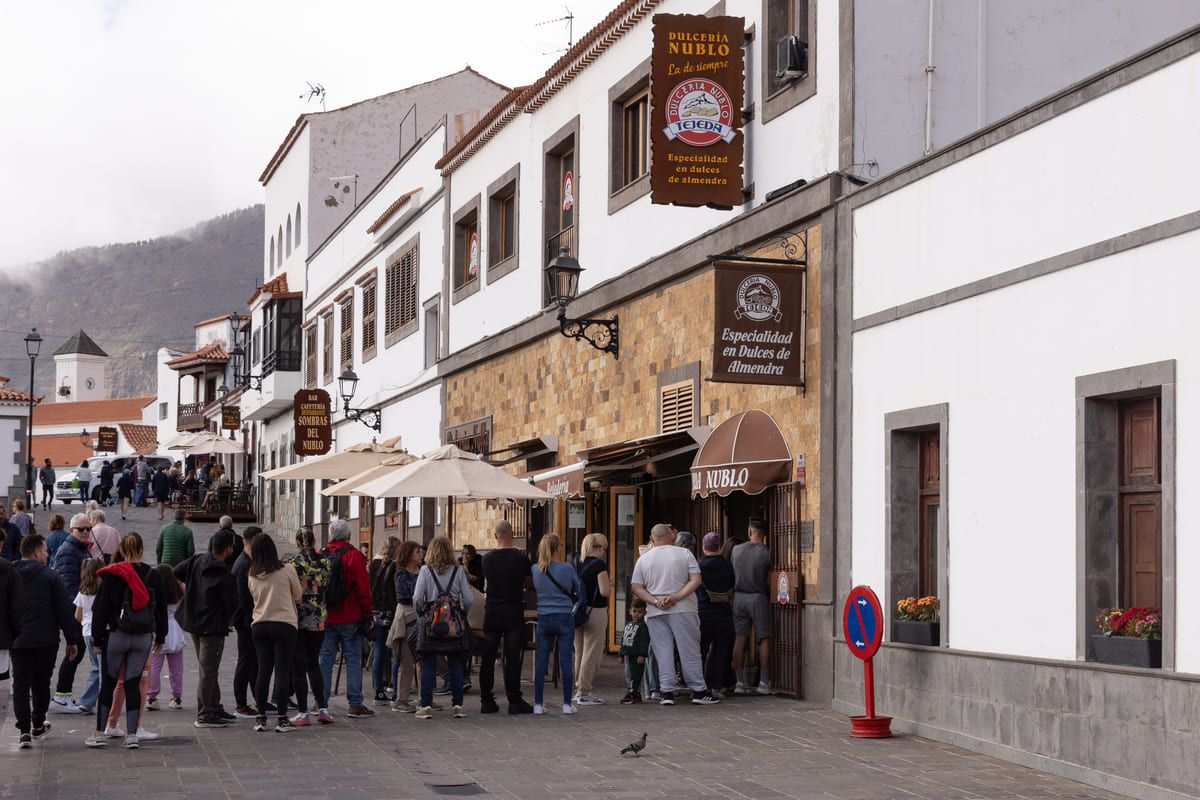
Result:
[696,77]
[311,413]
[757,318]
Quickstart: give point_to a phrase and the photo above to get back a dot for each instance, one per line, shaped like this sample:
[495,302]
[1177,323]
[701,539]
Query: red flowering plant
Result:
[1140,623]
[912,609]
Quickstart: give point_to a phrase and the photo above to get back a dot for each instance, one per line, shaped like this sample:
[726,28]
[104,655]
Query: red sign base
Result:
[871,727]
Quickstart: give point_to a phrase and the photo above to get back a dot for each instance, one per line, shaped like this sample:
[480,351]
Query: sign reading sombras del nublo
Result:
[697,71]
[311,412]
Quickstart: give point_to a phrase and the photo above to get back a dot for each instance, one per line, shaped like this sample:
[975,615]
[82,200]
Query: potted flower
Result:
[917,621]
[1130,637]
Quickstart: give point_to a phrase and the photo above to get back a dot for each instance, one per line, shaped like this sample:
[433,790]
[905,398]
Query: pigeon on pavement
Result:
[635,747]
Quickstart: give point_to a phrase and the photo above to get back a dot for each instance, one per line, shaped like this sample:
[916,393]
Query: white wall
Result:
[1005,361]
[12,474]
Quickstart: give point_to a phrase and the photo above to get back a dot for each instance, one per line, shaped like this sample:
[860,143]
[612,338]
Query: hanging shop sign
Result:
[311,414]
[231,418]
[697,73]
[758,324]
[106,441]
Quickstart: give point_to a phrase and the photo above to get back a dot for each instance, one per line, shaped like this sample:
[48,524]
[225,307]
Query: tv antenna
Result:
[570,20]
[315,92]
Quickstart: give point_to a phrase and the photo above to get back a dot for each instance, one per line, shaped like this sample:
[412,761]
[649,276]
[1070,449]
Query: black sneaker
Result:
[443,689]
[488,705]
[668,699]
[42,731]
[520,707]
[381,699]
[705,698]
[210,721]
[270,708]
[26,741]
[225,715]
[284,725]
[628,699]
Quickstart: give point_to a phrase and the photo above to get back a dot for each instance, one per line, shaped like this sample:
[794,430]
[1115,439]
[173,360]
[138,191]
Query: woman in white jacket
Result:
[441,573]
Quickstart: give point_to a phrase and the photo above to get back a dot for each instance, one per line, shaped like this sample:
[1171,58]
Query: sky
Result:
[124,120]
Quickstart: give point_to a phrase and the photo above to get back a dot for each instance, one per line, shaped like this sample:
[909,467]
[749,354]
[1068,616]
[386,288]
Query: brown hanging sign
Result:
[758,321]
[314,430]
[697,71]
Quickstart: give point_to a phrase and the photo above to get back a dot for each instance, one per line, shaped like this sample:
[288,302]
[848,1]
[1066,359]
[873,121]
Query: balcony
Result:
[281,379]
[190,417]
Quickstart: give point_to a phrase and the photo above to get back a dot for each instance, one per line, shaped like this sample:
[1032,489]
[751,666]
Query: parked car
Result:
[65,492]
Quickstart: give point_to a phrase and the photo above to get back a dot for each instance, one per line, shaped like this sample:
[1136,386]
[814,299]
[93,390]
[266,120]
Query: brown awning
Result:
[528,448]
[746,452]
[634,453]
[562,482]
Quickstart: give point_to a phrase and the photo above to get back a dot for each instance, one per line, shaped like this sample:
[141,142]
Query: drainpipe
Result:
[929,86]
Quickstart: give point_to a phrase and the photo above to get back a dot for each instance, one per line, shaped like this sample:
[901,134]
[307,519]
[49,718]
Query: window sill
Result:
[788,97]
[501,269]
[368,355]
[465,291]
[629,193]
[400,334]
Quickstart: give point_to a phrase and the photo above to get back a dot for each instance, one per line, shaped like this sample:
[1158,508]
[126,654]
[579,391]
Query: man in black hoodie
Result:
[35,652]
[12,595]
[246,671]
[208,604]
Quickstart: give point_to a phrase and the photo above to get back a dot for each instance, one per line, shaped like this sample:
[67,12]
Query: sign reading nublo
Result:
[696,82]
[314,430]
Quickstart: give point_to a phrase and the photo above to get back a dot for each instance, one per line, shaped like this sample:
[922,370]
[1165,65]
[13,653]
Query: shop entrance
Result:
[624,536]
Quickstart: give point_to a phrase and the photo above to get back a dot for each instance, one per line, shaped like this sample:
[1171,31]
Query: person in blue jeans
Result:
[89,584]
[349,620]
[557,585]
[441,574]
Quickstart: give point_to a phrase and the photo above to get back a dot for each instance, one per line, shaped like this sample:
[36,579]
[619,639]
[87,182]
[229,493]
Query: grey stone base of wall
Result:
[816,657]
[1122,729]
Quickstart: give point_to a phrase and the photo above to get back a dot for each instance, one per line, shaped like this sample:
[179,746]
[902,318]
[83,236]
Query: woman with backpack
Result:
[129,621]
[381,573]
[557,586]
[311,611]
[442,597]
[276,590]
[590,636]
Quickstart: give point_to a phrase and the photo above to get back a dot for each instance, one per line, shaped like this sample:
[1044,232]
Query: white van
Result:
[65,491]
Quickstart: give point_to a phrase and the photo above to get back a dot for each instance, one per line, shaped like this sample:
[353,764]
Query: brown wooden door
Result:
[1140,491]
[930,502]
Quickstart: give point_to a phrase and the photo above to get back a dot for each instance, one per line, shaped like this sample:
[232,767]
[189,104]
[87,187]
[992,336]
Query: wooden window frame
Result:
[370,331]
[346,332]
[402,286]
[622,188]
[466,222]
[327,346]
[310,356]
[783,18]
[502,191]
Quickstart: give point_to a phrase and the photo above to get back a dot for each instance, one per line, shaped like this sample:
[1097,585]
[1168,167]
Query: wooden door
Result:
[1140,490]
[624,537]
[930,503]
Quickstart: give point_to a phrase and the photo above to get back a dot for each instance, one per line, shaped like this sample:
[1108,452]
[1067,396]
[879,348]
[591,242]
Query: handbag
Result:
[175,639]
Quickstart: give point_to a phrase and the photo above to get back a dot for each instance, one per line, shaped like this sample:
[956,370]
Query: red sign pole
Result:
[862,624]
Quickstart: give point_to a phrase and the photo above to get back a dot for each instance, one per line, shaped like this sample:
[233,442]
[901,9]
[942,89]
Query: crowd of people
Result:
[426,613]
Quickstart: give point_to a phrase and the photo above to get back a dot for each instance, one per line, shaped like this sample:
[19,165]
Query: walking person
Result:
[591,635]
[313,572]
[751,607]
[506,573]
[83,475]
[68,564]
[348,619]
[172,651]
[46,478]
[124,638]
[89,584]
[208,602]
[125,489]
[106,484]
[441,575]
[714,598]
[276,590]
[175,541]
[666,578]
[381,575]
[58,534]
[105,538]
[161,485]
[557,585]
[141,476]
[46,610]
[245,670]
[10,542]
[409,557]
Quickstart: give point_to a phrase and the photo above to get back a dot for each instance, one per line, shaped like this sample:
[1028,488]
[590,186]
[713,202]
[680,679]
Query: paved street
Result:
[757,747]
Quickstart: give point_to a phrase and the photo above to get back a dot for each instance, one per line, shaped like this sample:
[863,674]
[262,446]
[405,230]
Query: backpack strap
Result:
[570,596]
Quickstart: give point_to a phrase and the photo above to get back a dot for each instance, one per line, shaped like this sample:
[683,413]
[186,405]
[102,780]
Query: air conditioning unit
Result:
[791,59]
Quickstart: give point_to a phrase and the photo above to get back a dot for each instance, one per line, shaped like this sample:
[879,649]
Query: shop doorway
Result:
[624,535]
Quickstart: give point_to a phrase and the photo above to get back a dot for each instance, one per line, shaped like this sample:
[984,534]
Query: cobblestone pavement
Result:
[753,747]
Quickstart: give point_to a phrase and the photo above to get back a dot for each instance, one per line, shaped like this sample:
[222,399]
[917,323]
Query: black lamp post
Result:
[562,279]
[371,417]
[33,344]
[85,439]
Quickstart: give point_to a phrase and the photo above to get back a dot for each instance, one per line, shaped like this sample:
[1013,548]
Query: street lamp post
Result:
[33,344]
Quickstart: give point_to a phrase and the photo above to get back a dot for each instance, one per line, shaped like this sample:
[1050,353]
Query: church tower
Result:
[79,369]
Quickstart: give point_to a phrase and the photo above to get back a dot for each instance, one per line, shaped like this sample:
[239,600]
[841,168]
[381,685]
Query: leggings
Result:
[276,646]
[306,669]
[114,716]
[124,657]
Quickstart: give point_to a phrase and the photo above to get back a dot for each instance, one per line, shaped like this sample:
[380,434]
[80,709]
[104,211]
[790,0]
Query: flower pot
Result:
[910,632]
[1128,651]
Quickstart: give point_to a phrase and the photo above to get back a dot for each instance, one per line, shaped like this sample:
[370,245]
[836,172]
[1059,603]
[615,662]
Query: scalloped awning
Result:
[746,453]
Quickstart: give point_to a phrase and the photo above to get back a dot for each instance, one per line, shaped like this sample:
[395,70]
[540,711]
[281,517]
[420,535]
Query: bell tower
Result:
[79,369]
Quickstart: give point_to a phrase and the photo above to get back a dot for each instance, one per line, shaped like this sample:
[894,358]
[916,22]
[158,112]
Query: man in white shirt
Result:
[666,578]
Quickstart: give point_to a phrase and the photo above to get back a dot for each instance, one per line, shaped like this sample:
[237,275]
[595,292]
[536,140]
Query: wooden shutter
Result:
[368,319]
[346,351]
[310,357]
[677,406]
[327,347]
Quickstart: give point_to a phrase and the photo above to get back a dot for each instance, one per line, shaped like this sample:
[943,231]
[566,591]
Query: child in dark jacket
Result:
[635,647]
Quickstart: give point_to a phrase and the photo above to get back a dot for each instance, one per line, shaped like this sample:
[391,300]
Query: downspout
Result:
[929,86]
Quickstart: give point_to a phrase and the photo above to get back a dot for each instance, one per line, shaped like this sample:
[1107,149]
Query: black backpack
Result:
[336,590]
[136,621]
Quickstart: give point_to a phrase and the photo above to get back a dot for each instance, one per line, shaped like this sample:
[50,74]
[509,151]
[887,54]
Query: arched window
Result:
[289,235]
[271,263]
[280,245]
[297,225]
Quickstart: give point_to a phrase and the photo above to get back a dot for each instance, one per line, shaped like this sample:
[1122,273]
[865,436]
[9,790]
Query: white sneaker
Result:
[764,688]
[538,708]
[131,742]
[64,704]
[741,688]
[589,700]
[114,732]
[144,735]
[96,740]
[568,709]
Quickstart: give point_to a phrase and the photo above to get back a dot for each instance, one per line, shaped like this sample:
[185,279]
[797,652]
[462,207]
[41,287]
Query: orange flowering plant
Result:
[924,609]
[1140,623]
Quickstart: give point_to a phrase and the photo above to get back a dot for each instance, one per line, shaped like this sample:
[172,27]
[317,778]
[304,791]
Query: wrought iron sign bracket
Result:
[792,245]
[601,334]
[371,417]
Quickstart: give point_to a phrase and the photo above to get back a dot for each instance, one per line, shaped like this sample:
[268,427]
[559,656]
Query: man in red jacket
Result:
[348,620]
